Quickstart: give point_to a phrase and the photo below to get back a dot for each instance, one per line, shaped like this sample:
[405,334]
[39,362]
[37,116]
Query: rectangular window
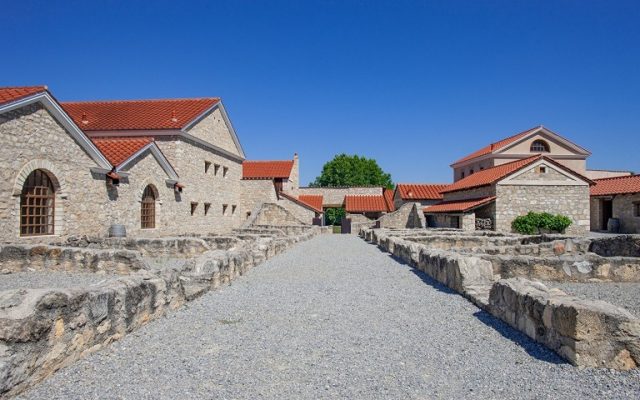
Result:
[216,168]
[233,209]
[207,206]
[636,209]
[207,164]
[541,169]
[194,206]
[224,209]
[224,172]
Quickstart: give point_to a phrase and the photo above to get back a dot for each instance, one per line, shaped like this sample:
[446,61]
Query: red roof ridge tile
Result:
[458,205]
[616,177]
[138,100]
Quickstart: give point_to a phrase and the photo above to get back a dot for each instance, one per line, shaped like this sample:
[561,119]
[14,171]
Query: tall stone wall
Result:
[409,215]
[301,213]
[33,139]
[515,200]
[623,209]
[254,193]
[213,186]
[214,130]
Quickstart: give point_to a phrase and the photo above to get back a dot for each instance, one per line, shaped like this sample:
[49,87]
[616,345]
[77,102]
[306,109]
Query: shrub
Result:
[533,223]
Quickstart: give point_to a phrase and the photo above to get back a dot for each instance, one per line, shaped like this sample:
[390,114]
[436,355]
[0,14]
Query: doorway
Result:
[607,212]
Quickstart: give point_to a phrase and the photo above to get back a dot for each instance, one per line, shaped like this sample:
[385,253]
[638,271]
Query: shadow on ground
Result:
[532,348]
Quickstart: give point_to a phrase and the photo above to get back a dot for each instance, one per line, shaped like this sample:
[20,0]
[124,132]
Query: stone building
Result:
[333,196]
[424,193]
[617,198]
[157,167]
[538,140]
[363,208]
[493,197]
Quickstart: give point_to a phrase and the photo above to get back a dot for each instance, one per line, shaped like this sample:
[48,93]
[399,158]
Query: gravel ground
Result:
[52,279]
[332,318]
[625,295]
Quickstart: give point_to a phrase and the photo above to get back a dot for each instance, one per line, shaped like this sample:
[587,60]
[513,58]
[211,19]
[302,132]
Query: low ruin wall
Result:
[43,330]
[584,332]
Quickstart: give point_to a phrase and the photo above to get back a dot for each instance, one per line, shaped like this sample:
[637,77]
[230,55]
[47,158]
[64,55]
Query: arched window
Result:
[37,204]
[539,146]
[148,208]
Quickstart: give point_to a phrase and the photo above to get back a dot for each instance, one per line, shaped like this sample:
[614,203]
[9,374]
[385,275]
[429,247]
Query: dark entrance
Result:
[607,212]
[346,225]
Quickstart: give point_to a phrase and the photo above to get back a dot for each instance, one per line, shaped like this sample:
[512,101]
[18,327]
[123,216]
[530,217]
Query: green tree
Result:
[346,170]
[333,216]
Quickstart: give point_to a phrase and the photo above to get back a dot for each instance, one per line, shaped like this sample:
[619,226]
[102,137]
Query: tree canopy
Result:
[346,170]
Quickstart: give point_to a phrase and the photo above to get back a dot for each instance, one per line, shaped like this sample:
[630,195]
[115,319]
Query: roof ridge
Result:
[25,87]
[617,177]
[138,100]
[267,161]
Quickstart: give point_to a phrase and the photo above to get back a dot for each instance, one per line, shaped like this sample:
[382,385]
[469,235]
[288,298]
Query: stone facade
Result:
[515,200]
[33,139]
[408,215]
[625,208]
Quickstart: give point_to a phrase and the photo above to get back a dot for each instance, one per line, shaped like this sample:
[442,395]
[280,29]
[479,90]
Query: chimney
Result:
[295,173]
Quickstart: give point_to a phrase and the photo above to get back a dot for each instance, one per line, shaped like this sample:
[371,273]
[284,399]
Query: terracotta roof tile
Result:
[497,145]
[618,185]
[300,202]
[137,114]
[266,169]
[118,149]
[10,94]
[458,206]
[357,203]
[420,191]
[313,200]
[490,175]
[388,199]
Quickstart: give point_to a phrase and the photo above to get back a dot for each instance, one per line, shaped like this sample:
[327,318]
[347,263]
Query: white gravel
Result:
[331,318]
[51,279]
[621,294]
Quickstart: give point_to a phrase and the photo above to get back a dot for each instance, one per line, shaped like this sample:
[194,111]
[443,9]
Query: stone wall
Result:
[254,193]
[334,196]
[476,193]
[586,333]
[274,215]
[302,213]
[213,186]
[408,215]
[43,330]
[515,200]
[213,129]
[623,209]
[32,139]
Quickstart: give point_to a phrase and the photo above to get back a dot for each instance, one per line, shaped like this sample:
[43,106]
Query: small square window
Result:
[216,168]
[207,164]
[541,169]
[224,172]
[233,209]
[224,209]
[194,206]
[207,206]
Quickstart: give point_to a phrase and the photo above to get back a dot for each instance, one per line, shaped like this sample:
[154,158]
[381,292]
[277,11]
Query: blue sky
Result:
[415,85]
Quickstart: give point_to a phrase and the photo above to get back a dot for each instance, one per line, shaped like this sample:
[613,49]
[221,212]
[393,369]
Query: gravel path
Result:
[52,279]
[621,294]
[331,318]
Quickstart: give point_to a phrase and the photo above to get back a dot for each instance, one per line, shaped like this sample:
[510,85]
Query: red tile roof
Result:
[618,185]
[10,94]
[266,169]
[302,203]
[458,206]
[490,175]
[357,203]
[313,200]
[118,149]
[497,145]
[137,114]
[388,199]
[420,191]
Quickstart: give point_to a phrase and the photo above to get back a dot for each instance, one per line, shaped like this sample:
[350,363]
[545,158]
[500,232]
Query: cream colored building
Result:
[156,167]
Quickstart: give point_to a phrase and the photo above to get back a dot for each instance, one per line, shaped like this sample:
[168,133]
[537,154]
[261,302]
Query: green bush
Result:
[533,223]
